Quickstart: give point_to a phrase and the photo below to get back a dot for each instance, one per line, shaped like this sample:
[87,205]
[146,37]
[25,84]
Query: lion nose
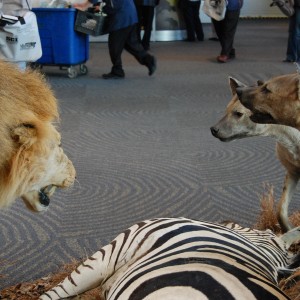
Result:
[214,131]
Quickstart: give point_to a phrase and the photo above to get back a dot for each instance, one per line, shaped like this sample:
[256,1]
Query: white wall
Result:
[260,8]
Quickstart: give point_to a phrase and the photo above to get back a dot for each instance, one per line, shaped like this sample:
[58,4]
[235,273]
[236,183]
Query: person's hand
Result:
[82,6]
[278,3]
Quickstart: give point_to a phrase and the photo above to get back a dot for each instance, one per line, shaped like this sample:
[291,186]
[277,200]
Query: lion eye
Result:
[237,114]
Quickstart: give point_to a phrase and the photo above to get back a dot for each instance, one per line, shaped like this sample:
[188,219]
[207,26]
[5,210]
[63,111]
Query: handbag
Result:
[286,6]
[19,38]
[91,23]
[215,9]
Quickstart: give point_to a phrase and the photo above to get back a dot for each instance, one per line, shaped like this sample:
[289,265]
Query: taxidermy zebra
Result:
[183,259]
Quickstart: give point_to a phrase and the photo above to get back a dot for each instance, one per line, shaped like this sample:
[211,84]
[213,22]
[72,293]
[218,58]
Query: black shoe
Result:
[288,60]
[215,39]
[146,47]
[152,66]
[112,75]
[189,40]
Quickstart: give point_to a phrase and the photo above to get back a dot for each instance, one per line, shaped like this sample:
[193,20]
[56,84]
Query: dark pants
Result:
[225,30]
[293,47]
[145,16]
[190,11]
[126,38]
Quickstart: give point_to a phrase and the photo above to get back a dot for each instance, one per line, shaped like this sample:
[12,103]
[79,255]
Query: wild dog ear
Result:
[234,84]
[260,82]
[24,134]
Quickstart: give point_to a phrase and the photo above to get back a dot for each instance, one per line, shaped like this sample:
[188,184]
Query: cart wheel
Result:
[83,69]
[72,72]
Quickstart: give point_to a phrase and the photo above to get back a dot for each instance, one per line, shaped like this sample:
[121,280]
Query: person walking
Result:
[145,11]
[191,15]
[122,29]
[293,45]
[226,29]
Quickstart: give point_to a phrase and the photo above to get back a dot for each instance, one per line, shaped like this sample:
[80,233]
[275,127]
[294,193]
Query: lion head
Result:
[32,162]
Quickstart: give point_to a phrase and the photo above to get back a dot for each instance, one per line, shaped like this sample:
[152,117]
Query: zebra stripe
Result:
[181,259]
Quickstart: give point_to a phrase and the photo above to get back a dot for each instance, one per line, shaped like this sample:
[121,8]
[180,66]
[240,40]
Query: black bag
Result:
[286,6]
[91,23]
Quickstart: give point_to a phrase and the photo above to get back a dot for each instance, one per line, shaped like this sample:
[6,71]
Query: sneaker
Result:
[222,58]
[112,75]
[152,66]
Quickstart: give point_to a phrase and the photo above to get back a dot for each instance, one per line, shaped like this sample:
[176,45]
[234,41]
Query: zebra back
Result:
[178,258]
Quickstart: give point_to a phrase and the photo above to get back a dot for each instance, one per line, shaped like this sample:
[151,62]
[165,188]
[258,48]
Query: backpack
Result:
[286,6]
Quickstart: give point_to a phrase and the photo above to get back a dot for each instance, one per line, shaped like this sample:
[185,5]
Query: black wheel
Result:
[83,69]
[72,72]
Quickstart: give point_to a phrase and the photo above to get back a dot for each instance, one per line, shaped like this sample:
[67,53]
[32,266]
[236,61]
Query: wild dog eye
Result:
[265,90]
[237,114]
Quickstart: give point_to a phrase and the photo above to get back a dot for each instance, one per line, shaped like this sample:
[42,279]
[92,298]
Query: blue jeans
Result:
[293,48]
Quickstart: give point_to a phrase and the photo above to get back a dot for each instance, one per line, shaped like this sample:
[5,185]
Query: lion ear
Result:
[260,82]
[234,84]
[25,134]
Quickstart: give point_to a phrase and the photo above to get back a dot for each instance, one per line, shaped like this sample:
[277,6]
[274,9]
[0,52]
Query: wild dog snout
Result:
[214,131]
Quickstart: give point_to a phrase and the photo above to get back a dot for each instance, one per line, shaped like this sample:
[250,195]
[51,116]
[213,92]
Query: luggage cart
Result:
[62,46]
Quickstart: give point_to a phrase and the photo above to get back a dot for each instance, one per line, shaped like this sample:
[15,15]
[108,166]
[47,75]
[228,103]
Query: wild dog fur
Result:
[237,124]
[275,101]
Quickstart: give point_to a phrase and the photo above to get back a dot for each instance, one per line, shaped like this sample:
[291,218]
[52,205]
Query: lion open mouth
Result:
[45,193]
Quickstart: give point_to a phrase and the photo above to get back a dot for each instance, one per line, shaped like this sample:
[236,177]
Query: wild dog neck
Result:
[287,136]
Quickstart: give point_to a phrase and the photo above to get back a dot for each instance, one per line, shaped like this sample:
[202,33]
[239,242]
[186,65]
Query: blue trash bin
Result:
[62,46]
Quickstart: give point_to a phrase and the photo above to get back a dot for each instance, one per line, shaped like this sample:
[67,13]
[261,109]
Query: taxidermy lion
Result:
[32,162]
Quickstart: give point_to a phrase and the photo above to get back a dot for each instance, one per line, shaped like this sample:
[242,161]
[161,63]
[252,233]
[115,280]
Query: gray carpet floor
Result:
[142,149]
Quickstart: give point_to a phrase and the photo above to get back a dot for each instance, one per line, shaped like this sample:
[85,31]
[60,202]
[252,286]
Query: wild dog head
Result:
[236,123]
[274,101]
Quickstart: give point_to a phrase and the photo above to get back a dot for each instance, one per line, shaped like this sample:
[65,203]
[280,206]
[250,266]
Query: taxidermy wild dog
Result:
[237,124]
[275,101]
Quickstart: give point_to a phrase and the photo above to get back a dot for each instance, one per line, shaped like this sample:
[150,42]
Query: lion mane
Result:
[32,163]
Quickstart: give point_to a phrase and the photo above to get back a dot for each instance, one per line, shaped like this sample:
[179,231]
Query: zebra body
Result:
[183,259]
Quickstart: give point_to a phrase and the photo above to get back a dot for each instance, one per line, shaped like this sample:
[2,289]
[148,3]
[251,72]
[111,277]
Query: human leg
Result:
[196,20]
[218,26]
[116,43]
[229,30]
[293,47]
[188,15]
[135,48]
[219,29]
[139,9]
[148,12]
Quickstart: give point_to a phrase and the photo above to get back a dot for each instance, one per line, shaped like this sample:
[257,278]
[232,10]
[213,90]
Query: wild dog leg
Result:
[289,188]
